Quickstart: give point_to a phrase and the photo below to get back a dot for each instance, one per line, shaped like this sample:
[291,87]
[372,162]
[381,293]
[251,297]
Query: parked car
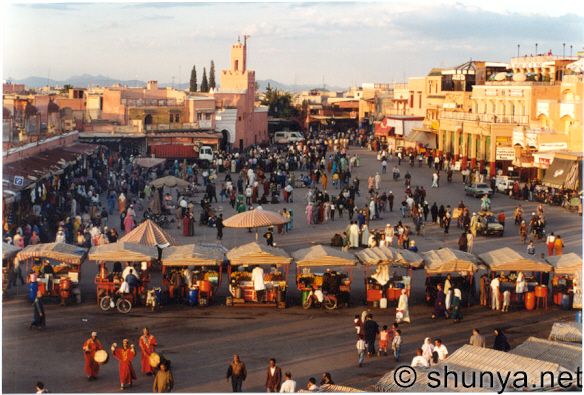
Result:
[478,190]
[504,184]
[488,225]
[287,137]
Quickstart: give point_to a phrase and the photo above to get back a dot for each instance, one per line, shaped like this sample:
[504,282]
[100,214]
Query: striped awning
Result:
[258,254]
[57,251]
[390,256]
[123,252]
[194,254]
[9,250]
[505,259]
[320,255]
[150,234]
[257,218]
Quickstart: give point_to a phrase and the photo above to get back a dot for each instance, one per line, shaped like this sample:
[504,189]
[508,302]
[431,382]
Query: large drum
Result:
[154,360]
[101,357]
[530,300]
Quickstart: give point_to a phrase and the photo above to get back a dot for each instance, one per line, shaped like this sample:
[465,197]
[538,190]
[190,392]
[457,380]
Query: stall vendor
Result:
[257,277]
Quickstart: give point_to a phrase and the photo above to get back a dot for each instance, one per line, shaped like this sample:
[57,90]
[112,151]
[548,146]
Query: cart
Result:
[241,285]
[108,282]
[393,273]
[202,264]
[54,269]
[332,286]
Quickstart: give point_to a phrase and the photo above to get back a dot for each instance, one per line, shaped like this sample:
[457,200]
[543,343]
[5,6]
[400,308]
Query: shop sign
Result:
[18,181]
[502,140]
[505,153]
[553,146]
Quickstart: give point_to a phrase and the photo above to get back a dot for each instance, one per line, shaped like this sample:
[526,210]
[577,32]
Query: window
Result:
[419,99]
[411,99]
[171,118]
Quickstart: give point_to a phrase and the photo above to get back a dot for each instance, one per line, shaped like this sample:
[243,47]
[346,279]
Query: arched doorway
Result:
[224,144]
[147,121]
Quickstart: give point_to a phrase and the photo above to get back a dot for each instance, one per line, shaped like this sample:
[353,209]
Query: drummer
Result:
[147,346]
[90,347]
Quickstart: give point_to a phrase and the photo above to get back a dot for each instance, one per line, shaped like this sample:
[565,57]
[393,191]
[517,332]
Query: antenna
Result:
[518,47]
[570,49]
[535,49]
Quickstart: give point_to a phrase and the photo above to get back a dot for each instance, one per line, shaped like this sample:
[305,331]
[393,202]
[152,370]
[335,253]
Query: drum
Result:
[154,360]
[101,357]
[530,300]
[541,291]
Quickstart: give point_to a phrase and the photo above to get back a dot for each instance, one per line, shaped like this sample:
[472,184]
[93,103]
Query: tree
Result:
[204,82]
[279,103]
[212,76]
[193,83]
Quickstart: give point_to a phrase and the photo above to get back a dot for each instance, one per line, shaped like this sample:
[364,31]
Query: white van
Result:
[287,137]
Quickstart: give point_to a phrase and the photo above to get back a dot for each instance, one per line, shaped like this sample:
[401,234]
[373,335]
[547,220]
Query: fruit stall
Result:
[333,285]
[461,266]
[108,281]
[507,264]
[200,265]
[257,275]
[54,269]
[567,279]
[393,273]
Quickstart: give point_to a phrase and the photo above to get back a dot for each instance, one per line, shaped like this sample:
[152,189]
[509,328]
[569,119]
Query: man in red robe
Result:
[125,355]
[90,346]
[147,345]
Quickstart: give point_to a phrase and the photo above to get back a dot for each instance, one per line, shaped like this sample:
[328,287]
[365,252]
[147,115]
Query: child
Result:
[396,344]
[361,347]
[383,341]
[506,300]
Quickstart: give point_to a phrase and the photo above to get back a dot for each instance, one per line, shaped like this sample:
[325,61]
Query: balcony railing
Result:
[202,124]
[488,118]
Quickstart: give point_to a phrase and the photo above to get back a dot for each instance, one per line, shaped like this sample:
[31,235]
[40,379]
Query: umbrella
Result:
[257,218]
[169,181]
[150,234]
[149,162]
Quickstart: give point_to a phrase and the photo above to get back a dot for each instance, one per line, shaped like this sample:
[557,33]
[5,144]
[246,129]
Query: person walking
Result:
[477,339]
[125,355]
[273,377]
[164,380]
[558,245]
[39,318]
[361,349]
[147,345]
[237,372]
[396,344]
[90,346]
[371,331]
[219,225]
[550,243]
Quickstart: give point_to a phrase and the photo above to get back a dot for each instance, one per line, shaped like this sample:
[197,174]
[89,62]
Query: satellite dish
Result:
[519,77]
[501,76]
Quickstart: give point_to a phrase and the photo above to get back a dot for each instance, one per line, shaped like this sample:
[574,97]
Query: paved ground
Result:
[200,341]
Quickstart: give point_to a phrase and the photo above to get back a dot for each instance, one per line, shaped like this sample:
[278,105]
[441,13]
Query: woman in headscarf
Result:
[456,314]
[439,303]
[501,343]
[427,349]
[402,307]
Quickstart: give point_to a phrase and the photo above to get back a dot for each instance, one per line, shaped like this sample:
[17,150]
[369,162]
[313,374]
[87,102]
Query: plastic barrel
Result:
[32,290]
[558,298]
[193,296]
[530,300]
[305,296]
[579,316]
[566,305]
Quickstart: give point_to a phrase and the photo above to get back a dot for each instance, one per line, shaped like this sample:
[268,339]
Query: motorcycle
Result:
[317,297]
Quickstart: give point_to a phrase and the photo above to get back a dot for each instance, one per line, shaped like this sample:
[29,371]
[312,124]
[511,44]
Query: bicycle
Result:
[328,301]
[123,304]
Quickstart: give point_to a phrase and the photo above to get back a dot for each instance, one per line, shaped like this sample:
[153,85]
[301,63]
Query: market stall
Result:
[134,256]
[444,261]
[54,269]
[9,251]
[567,273]
[508,264]
[333,285]
[249,284]
[199,267]
[393,272]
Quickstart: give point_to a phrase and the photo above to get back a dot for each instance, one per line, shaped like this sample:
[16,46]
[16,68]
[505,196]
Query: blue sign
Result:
[19,181]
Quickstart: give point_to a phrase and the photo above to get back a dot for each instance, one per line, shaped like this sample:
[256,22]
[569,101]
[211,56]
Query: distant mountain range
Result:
[86,80]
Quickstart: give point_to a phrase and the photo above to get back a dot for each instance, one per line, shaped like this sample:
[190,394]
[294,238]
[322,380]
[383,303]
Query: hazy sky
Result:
[292,42]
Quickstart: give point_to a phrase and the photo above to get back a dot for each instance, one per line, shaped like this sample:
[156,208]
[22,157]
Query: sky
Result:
[340,43]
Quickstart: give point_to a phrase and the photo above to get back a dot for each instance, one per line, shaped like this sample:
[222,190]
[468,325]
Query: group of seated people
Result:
[129,278]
